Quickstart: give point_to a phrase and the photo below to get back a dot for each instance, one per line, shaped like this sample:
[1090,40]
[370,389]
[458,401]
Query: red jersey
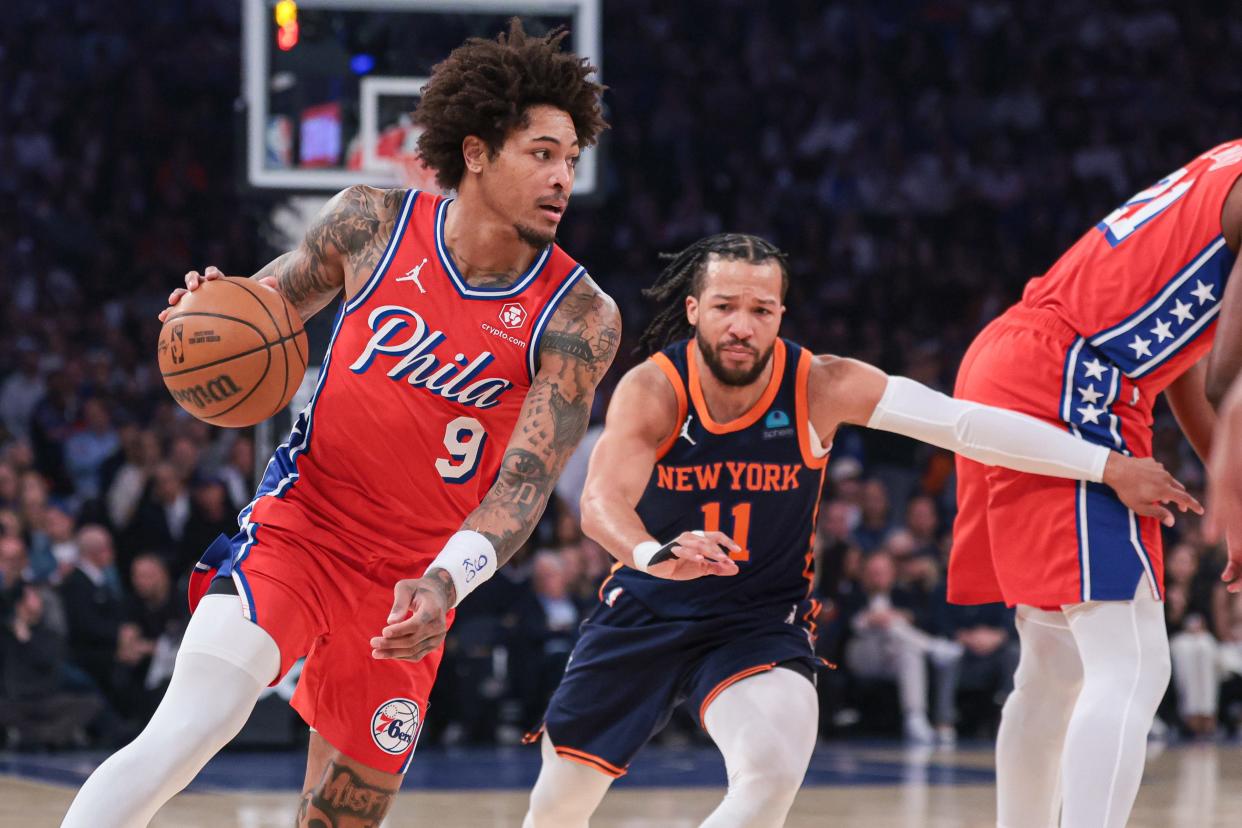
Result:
[417,397]
[1144,286]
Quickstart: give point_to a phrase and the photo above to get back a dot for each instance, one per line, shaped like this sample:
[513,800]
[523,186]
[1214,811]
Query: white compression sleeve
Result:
[1125,656]
[992,436]
[765,726]
[223,665]
[1034,722]
[566,793]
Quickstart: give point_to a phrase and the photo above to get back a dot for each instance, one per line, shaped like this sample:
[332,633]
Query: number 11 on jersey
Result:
[741,526]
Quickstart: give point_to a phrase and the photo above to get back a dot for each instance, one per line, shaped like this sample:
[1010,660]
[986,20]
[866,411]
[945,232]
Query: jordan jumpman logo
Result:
[685,430]
[412,276]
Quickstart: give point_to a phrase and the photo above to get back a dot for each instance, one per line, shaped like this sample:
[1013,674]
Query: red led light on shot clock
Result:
[287,36]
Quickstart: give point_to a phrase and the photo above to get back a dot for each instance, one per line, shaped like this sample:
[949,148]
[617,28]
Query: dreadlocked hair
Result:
[485,87]
[684,277]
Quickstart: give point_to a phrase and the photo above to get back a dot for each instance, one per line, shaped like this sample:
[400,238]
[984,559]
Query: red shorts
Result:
[326,605]
[1047,541]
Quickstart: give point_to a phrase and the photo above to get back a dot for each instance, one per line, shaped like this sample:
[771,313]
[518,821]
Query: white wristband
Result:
[469,558]
[644,552]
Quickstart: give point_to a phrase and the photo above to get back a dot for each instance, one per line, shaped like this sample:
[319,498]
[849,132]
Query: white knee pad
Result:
[218,629]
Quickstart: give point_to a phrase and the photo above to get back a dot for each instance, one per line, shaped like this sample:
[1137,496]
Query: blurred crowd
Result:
[918,160]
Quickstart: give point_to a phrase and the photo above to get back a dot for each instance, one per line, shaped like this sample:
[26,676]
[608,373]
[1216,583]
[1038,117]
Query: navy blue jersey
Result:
[757,479]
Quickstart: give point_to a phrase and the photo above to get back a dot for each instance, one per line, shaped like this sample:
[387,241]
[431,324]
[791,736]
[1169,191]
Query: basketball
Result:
[233,352]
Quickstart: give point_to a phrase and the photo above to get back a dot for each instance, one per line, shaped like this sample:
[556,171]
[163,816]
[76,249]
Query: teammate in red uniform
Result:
[459,379]
[1127,313]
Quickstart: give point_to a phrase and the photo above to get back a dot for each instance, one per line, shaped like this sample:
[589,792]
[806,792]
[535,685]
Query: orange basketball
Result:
[233,352]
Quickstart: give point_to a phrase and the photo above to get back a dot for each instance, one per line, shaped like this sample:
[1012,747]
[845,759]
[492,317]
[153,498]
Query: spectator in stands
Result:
[875,522]
[155,619]
[35,709]
[237,473]
[920,574]
[14,572]
[160,521]
[885,643]
[1231,661]
[89,448]
[989,659]
[923,524]
[833,545]
[544,633]
[53,547]
[211,515]
[141,451]
[52,423]
[9,486]
[21,391]
[1189,615]
[95,608]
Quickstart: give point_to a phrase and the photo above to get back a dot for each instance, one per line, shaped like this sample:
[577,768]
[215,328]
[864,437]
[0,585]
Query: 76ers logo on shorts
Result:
[394,727]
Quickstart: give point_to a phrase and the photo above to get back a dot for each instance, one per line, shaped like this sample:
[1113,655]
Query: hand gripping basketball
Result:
[232,352]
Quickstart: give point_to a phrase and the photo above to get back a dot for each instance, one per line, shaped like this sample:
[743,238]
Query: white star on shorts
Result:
[1094,369]
[1091,414]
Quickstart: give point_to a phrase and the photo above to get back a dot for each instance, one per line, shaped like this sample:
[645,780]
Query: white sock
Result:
[566,793]
[765,726]
[223,664]
[1034,721]
[1125,655]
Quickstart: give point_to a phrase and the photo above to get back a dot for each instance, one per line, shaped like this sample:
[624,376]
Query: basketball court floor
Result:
[872,785]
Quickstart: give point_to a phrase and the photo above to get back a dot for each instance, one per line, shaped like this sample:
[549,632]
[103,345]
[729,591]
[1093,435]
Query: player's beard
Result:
[728,376]
[533,237]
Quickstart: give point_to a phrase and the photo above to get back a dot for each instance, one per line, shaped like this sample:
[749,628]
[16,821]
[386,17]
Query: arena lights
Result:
[287,24]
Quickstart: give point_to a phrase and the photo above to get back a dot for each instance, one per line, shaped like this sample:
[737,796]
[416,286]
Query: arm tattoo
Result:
[341,799]
[347,238]
[570,345]
[577,349]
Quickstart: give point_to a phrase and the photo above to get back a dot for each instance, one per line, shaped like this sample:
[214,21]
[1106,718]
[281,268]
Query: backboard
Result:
[328,102]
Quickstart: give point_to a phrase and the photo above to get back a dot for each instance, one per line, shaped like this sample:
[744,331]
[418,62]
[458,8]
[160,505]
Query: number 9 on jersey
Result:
[463,438]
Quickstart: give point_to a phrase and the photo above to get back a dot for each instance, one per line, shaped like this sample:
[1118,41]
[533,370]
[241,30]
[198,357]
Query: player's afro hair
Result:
[485,87]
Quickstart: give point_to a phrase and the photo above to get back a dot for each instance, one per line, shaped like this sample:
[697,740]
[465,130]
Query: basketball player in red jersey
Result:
[459,379]
[1129,312]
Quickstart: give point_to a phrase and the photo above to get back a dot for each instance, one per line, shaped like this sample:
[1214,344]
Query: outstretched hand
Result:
[1144,485]
[696,554]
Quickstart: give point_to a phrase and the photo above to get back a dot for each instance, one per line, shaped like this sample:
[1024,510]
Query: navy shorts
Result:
[630,669]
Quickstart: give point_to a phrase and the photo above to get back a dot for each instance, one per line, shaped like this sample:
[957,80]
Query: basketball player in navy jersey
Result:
[711,463]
